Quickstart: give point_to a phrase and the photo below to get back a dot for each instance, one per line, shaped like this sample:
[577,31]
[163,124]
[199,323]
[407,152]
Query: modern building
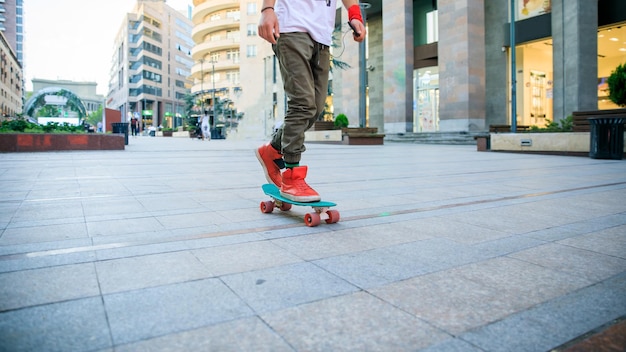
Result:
[11,81]
[429,66]
[85,91]
[12,25]
[445,66]
[232,63]
[12,30]
[151,64]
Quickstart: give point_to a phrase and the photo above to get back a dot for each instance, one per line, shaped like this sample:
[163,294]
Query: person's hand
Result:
[360,34]
[268,26]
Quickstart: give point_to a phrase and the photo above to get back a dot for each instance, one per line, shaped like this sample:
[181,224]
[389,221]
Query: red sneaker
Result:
[271,161]
[295,188]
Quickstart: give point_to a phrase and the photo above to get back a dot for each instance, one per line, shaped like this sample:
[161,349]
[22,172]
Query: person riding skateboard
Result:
[300,33]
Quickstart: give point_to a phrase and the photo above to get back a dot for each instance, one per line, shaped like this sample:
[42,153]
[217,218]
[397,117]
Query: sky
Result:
[73,39]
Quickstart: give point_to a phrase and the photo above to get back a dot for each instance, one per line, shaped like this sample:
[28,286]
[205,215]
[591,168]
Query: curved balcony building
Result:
[217,41]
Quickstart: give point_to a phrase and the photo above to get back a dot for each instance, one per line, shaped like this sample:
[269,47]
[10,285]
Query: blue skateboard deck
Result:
[321,208]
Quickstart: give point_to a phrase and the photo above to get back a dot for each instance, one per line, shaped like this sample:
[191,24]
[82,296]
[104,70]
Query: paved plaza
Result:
[163,247]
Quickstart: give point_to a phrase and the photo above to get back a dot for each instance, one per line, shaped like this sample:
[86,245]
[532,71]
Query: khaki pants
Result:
[304,67]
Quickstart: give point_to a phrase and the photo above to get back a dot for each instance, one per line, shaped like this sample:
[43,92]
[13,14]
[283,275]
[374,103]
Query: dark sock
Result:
[291,166]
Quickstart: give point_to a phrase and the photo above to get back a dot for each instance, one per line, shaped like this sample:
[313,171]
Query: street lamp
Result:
[202,86]
[363,72]
[213,93]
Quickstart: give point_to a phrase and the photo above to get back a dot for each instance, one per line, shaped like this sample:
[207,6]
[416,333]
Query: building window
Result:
[251,8]
[234,35]
[233,56]
[252,29]
[432,30]
[232,77]
[233,14]
[251,51]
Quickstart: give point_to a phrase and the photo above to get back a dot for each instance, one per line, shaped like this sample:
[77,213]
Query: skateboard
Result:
[310,219]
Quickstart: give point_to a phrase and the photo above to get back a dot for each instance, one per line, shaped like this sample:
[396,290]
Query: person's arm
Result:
[268,25]
[355,19]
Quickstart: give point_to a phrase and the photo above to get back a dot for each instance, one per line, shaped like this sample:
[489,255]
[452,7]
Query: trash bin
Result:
[121,127]
[606,137]
[217,133]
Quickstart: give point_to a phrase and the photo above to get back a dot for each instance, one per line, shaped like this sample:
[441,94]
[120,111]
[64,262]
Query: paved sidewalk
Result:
[440,248]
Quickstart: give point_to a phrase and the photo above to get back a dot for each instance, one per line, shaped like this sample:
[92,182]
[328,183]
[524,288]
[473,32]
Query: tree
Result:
[617,85]
[189,104]
[94,117]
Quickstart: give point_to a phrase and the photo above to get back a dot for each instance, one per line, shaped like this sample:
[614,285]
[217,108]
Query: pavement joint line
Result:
[72,250]
[70,198]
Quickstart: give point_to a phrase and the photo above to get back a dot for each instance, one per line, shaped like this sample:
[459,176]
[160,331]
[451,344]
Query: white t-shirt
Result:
[316,17]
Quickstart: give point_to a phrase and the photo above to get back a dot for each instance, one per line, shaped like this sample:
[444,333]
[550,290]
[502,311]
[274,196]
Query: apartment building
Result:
[232,63]
[11,81]
[151,65]
[12,25]
[12,61]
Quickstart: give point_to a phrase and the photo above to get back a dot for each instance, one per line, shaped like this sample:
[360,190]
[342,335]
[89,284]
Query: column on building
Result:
[575,56]
[397,48]
[461,65]
[375,60]
[497,87]
[345,82]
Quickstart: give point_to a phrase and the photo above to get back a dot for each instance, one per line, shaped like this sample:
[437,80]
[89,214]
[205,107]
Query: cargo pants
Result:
[304,68]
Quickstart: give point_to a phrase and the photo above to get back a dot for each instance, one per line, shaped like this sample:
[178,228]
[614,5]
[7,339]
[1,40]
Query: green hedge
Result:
[23,126]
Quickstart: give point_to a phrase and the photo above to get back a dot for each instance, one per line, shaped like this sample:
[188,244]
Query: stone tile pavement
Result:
[440,248]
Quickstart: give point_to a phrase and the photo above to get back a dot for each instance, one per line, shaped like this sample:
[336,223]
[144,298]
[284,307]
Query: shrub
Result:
[18,125]
[341,121]
[24,126]
[617,85]
[564,125]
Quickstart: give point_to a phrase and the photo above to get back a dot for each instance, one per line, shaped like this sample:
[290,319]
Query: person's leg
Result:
[295,52]
[321,70]
[304,67]
[299,59]
[271,159]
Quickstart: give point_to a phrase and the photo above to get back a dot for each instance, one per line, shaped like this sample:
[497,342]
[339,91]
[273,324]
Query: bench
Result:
[507,128]
[581,118]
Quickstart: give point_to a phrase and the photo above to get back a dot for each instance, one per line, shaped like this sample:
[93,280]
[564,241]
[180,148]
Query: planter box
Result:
[483,143]
[181,134]
[330,136]
[43,142]
[167,133]
[362,136]
[568,143]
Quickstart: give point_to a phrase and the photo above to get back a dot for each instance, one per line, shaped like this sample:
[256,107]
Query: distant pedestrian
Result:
[133,126]
[206,132]
[99,125]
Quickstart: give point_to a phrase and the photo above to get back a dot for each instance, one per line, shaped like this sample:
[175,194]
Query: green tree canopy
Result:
[617,85]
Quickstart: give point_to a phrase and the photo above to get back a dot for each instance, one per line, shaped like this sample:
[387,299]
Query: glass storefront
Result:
[426,99]
[534,83]
[535,74]
[611,53]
